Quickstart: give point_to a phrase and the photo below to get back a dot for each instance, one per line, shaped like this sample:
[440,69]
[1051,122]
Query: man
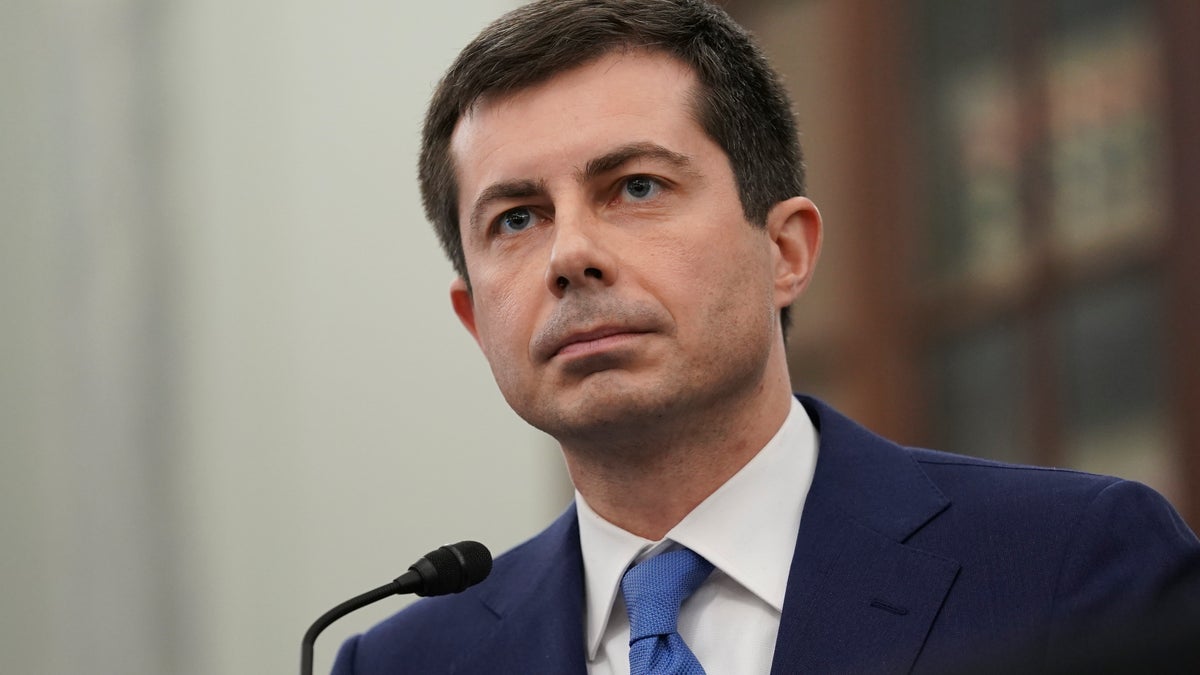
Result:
[619,186]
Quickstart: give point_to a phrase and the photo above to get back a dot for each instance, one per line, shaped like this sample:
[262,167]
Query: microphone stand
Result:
[322,622]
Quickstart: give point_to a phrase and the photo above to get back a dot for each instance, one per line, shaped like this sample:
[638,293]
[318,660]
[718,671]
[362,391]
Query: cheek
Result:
[494,312]
[500,320]
[510,295]
[735,280]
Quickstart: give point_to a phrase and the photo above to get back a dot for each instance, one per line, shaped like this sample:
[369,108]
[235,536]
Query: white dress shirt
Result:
[747,529]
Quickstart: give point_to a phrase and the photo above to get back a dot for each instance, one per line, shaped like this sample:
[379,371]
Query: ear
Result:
[794,226]
[464,305]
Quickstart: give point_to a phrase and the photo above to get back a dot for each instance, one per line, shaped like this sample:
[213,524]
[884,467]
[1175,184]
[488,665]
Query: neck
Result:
[648,482]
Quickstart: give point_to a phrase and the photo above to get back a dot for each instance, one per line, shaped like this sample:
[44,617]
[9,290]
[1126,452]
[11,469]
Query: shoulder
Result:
[1090,544]
[853,456]
[1049,541]
[1077,496]
[1067,553]
[432,632]
[966,475]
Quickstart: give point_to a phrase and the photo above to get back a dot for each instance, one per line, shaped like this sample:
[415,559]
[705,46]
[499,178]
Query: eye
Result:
[641,187]
[514,220]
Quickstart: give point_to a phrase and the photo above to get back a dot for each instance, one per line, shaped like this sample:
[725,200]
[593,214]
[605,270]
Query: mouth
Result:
[593,341]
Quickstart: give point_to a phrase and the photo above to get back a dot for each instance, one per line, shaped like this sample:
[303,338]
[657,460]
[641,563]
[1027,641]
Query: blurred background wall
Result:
[1012,261]
[232,393]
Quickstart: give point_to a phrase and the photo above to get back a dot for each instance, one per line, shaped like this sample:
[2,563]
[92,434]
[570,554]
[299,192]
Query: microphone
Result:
[449,569]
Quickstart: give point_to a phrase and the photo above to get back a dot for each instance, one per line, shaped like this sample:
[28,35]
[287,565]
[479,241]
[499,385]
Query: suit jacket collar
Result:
[869,478]
[859,599]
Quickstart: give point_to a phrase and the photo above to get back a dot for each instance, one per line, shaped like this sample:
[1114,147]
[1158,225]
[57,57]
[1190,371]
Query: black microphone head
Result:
[452,568]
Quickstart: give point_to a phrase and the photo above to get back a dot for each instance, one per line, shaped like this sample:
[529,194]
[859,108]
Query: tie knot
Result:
[654,589]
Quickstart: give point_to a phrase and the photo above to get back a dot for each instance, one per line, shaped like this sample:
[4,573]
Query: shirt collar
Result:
[747,528]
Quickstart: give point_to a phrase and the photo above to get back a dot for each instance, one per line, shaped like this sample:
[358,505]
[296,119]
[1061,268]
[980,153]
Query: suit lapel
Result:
[539,603]
[858,598]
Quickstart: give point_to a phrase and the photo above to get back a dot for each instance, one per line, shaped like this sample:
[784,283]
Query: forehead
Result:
[624,97]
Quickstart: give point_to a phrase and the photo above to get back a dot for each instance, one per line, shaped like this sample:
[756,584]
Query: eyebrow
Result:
[613,160]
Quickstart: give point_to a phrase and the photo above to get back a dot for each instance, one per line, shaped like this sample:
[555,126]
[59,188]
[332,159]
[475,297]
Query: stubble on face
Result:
[624,406]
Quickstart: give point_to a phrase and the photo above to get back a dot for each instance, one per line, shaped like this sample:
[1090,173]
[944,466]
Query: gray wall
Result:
[232,392]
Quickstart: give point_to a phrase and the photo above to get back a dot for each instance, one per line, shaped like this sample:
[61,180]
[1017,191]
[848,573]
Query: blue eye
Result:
[641,187]
[514,220]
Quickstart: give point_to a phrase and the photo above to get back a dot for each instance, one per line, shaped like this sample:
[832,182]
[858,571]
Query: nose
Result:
[579,257]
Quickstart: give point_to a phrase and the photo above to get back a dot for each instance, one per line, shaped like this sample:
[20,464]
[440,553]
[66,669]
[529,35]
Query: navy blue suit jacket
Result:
[908,560]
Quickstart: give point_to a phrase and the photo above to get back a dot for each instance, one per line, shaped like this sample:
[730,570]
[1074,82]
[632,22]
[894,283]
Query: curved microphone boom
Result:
[449,569]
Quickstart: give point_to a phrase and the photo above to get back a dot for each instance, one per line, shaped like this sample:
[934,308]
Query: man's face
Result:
[615,281]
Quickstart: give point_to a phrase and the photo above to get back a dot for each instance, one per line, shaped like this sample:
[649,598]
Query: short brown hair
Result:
[741,103]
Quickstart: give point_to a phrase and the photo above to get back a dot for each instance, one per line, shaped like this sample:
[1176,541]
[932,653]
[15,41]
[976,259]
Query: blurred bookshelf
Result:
[1010,189]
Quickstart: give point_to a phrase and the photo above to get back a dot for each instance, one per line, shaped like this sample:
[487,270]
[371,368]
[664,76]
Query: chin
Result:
[605,409]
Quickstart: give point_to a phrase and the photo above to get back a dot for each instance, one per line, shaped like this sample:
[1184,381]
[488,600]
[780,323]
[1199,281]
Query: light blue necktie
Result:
[654,589]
